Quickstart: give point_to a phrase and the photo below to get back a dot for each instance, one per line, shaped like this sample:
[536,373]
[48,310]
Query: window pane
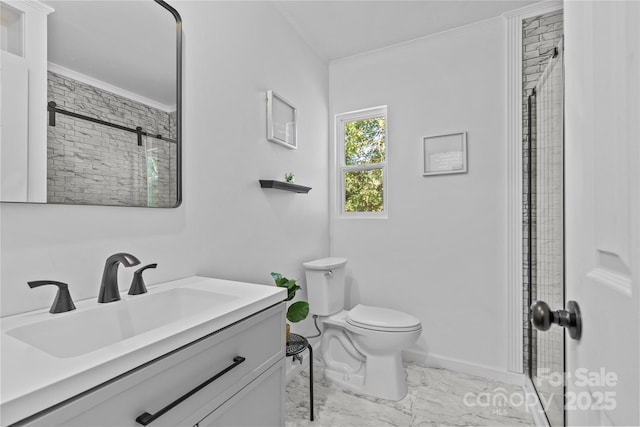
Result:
[364,141]
[363,191]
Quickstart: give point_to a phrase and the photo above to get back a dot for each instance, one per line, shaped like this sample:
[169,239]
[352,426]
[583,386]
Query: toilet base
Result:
[350,381]
[383,377]
[375,375]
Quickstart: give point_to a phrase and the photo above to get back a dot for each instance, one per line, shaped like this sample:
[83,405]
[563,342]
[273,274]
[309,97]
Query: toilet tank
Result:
[325,285]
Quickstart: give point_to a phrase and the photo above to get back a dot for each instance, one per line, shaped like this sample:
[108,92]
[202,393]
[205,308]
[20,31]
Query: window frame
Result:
[342,169]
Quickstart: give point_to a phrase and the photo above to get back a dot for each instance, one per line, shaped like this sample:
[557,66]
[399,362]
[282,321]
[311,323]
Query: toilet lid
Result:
[325,263]
[382,319]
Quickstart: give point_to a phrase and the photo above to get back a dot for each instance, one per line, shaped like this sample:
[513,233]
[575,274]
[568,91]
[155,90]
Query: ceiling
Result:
[339,28]
[138,54]
[134,51]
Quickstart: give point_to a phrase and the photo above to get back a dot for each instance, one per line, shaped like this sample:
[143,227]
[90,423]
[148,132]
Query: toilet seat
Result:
[382,319]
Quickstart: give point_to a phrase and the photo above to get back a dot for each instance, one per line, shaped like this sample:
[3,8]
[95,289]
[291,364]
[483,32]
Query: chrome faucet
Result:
[109,287]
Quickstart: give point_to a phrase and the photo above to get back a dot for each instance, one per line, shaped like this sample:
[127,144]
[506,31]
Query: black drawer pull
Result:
[147,418]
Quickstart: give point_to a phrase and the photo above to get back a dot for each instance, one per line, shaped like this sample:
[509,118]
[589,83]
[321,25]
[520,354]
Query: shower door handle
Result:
[542,317]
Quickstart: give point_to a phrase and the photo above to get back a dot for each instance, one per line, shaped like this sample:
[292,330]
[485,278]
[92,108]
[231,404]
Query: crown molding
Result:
[66,72]
[534,9]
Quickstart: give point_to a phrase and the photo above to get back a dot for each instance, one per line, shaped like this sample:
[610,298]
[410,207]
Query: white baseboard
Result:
[534,404]
[435,361]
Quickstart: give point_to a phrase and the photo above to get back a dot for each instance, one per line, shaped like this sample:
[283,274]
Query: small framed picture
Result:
[444,154]
[281,121]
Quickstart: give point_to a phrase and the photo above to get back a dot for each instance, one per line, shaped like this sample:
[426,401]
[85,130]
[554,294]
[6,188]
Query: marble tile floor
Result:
[435,397]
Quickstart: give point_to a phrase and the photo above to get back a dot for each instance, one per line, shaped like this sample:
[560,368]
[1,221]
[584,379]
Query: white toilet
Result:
[361,347]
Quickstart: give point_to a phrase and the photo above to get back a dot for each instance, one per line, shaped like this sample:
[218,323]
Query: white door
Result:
[602,47]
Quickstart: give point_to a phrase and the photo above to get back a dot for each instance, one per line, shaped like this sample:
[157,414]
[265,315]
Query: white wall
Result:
[441,253]
[245,232]
[227,226]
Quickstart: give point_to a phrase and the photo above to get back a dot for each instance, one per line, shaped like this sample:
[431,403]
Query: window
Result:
[361,139]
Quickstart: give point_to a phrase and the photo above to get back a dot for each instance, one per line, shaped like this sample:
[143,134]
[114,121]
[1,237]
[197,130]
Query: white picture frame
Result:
[281,121]
[444,154]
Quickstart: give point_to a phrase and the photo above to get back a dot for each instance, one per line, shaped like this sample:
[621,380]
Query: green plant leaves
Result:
[276,276]
[283,282]
[298,311]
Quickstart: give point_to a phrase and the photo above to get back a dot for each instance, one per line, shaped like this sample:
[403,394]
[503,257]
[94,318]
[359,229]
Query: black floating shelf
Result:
[286,186]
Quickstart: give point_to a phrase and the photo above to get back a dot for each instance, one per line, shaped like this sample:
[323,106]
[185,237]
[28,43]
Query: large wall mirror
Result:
[113,104]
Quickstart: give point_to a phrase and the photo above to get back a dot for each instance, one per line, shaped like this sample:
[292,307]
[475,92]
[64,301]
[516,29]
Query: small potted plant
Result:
[297,311]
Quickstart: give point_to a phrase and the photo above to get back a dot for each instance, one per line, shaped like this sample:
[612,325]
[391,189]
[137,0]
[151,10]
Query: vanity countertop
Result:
[35,377]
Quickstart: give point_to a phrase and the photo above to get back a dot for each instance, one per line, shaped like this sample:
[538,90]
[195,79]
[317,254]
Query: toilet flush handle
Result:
[328,273]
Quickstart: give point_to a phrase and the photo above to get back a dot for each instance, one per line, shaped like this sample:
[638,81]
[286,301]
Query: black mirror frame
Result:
[178,18]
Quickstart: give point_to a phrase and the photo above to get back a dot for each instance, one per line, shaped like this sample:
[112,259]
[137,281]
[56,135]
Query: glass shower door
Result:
[151,172]
[546,265]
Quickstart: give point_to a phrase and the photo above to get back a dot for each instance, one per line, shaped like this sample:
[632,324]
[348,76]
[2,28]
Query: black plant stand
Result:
[295,346]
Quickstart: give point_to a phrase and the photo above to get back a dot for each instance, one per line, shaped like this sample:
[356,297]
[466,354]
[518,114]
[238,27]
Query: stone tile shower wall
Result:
[89,163]
[540,35]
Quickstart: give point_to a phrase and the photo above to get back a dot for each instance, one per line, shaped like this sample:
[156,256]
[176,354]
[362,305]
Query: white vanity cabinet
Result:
[258,404]
[246,359]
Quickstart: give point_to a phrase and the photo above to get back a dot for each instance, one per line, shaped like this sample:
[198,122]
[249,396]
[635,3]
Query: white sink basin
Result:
[76,333]
[48,358]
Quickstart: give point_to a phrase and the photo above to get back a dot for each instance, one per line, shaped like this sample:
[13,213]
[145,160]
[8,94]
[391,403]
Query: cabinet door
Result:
[260,403]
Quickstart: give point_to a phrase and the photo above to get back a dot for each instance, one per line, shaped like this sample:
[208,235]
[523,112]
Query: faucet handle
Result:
[63,301]
[137,284]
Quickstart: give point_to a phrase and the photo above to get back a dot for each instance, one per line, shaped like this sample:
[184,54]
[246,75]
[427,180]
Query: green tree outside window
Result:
[364,144]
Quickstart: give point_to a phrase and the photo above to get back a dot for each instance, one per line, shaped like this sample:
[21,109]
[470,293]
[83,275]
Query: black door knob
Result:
[542,317]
